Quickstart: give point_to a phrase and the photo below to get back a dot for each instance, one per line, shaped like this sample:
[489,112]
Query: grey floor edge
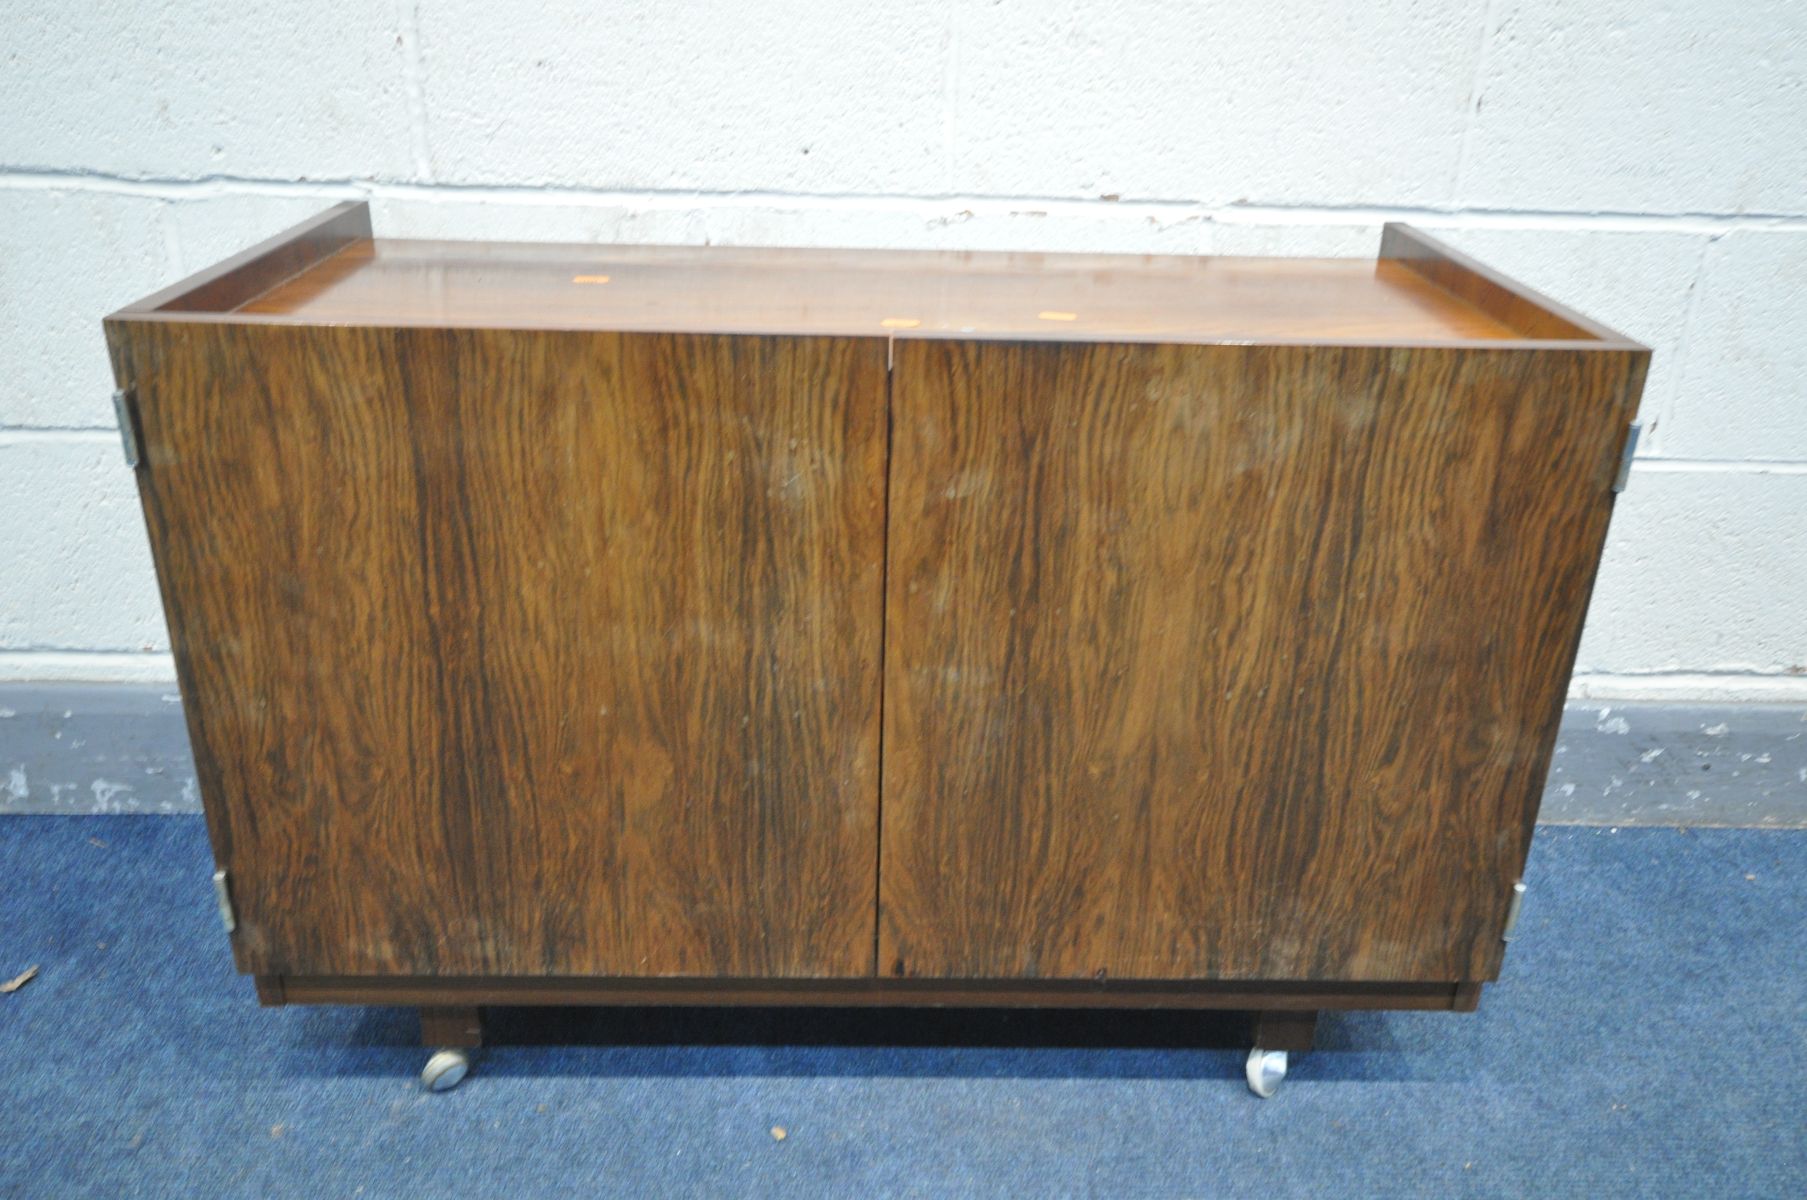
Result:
[118,748]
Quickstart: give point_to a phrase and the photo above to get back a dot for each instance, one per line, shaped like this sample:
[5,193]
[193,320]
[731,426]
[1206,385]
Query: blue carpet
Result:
[1647,1040]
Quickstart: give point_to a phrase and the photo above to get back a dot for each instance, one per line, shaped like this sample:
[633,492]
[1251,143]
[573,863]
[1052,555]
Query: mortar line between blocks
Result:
[1028,206]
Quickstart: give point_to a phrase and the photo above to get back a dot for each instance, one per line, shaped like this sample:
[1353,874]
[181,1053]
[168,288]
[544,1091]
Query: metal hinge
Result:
[1631,448]
[128,425]
[1518,900]
[223,893]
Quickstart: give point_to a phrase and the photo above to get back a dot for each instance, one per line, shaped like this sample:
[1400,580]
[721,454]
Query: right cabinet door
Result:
[1220,662]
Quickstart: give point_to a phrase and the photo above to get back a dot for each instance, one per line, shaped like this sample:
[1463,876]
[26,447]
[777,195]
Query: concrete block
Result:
[75,571]
[67,259]
[207,88]
[1704,572]
[711,95]
[1650,106]
[1743,389]
[1259,101]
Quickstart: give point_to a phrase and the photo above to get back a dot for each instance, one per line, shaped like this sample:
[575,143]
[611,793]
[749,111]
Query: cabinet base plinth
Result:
[1263,997]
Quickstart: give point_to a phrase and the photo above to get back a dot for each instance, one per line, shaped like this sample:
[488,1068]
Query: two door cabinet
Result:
[564,624]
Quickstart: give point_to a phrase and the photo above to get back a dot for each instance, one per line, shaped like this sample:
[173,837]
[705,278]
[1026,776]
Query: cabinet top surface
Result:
[1027,296]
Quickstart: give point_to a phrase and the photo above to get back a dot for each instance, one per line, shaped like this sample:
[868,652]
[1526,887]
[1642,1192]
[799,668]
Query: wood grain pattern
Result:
[901,294]
[522,653]
[1229,663]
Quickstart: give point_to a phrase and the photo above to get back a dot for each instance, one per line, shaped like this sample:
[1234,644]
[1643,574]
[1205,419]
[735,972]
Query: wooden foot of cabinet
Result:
[460,1025]
[1291,1030]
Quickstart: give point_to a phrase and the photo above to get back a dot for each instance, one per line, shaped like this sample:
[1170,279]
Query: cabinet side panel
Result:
[517,652]
[1228,663]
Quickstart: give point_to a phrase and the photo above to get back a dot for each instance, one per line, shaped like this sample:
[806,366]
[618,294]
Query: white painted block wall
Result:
[1642,160]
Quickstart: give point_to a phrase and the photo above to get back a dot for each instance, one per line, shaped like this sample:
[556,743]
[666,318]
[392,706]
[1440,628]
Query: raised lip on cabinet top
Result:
[332,270]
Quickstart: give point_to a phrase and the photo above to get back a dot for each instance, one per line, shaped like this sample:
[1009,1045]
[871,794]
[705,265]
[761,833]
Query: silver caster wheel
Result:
[445,1070]
[1265,1070]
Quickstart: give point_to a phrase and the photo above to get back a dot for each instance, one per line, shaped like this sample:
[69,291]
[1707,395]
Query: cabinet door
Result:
[526,653]
[1229,662]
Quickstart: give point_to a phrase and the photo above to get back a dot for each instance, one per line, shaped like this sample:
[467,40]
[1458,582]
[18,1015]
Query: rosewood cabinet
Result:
[627,625]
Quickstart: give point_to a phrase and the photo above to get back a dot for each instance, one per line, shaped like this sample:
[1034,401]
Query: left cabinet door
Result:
[526,653]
